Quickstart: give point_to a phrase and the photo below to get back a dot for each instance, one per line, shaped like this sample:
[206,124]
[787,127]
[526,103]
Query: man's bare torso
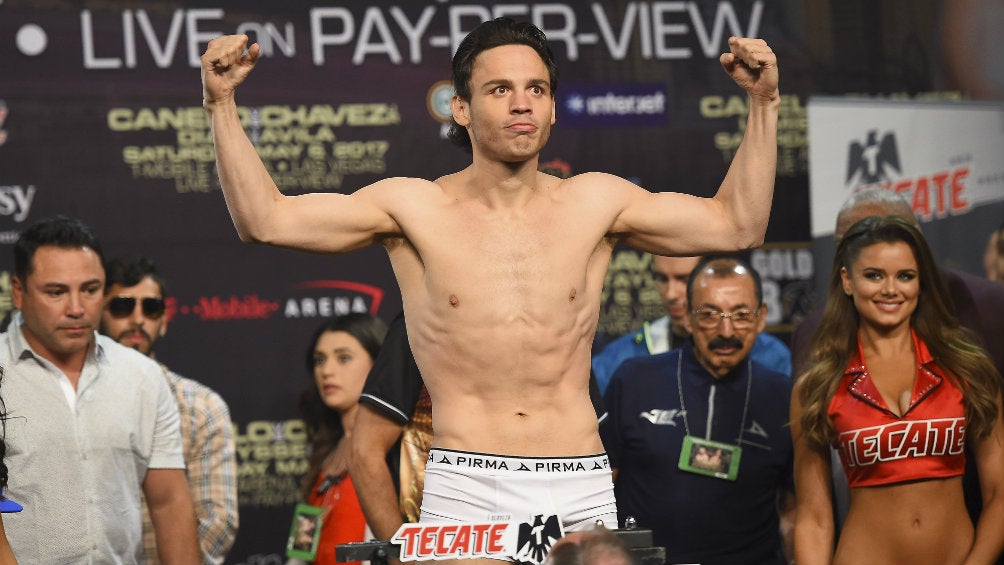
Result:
[502,301]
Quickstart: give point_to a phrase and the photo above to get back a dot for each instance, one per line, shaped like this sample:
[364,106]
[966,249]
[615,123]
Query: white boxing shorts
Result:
[477,487]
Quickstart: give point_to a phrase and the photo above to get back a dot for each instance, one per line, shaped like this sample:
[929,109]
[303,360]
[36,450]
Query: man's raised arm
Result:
[262,214]
[748,188]
[736,217]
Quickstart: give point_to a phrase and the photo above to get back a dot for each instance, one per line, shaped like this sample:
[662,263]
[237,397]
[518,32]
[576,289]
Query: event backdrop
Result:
[101,118]
[946,160]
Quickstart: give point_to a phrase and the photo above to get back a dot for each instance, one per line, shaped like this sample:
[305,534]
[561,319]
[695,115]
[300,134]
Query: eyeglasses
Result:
[741,319]
[122,306]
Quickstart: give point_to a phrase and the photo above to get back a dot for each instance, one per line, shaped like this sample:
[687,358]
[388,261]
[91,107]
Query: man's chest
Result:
[98,417]
[493,251]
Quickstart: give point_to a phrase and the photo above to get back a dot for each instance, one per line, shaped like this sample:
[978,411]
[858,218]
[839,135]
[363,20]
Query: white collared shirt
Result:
[77,461]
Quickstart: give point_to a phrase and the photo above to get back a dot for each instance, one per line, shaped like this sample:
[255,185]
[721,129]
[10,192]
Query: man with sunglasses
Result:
[698,435]
[134,315]
[91,425]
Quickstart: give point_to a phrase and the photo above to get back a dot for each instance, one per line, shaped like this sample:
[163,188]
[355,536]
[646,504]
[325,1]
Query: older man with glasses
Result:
[135,316]
[671,331]
[697,436]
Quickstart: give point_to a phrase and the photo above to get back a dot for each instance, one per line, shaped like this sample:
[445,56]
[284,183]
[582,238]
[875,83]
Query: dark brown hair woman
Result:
[899,389]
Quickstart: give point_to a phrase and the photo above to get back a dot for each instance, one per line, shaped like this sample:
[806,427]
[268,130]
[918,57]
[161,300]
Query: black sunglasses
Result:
[122,306]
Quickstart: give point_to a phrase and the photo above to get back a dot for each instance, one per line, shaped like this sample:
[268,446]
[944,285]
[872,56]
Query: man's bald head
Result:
[872,202]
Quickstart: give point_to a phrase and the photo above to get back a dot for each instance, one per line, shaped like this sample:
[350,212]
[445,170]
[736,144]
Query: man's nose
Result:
[75,306]
[725,327]
[520,103]
[675,289]
[137,316]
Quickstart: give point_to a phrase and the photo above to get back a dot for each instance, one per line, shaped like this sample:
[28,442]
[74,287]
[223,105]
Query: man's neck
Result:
[70,364]
[502,183]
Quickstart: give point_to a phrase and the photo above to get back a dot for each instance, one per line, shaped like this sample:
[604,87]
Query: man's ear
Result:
[17,291]
[461,110]
[762,320]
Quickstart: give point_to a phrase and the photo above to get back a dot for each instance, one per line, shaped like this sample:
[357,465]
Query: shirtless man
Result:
[501,266]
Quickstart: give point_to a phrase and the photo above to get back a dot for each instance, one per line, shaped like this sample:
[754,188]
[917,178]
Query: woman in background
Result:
[899,388]
[340,356]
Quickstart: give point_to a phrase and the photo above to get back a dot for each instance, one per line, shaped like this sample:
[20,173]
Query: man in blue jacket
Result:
[698,436]
[669,332]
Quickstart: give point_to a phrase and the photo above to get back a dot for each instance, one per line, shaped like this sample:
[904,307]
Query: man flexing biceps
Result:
[501,266]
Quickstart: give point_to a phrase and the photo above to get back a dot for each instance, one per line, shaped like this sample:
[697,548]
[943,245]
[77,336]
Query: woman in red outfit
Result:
[340,356]
[899,389]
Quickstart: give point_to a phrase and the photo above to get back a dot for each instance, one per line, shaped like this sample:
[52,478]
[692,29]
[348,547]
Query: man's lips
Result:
[135,335]
[522,127]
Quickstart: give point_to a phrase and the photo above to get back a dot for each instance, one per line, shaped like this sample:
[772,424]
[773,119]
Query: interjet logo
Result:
[614,105]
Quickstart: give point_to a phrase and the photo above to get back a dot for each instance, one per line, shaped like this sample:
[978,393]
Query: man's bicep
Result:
[165,444]
[672,223]
[330,223]
[160,486]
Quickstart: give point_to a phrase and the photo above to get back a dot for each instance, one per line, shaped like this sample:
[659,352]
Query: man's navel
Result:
[454,301]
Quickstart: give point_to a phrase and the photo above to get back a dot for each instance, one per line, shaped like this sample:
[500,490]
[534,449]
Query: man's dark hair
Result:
[723,266]
[130,271]
[58,231]
[488,35]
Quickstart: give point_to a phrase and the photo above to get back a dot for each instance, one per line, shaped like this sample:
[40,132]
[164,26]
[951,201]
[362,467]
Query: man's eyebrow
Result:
[509,83]
[735,307]
[496,82]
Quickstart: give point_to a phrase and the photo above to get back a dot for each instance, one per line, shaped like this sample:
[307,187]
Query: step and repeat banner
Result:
[944,159]
[101,118]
